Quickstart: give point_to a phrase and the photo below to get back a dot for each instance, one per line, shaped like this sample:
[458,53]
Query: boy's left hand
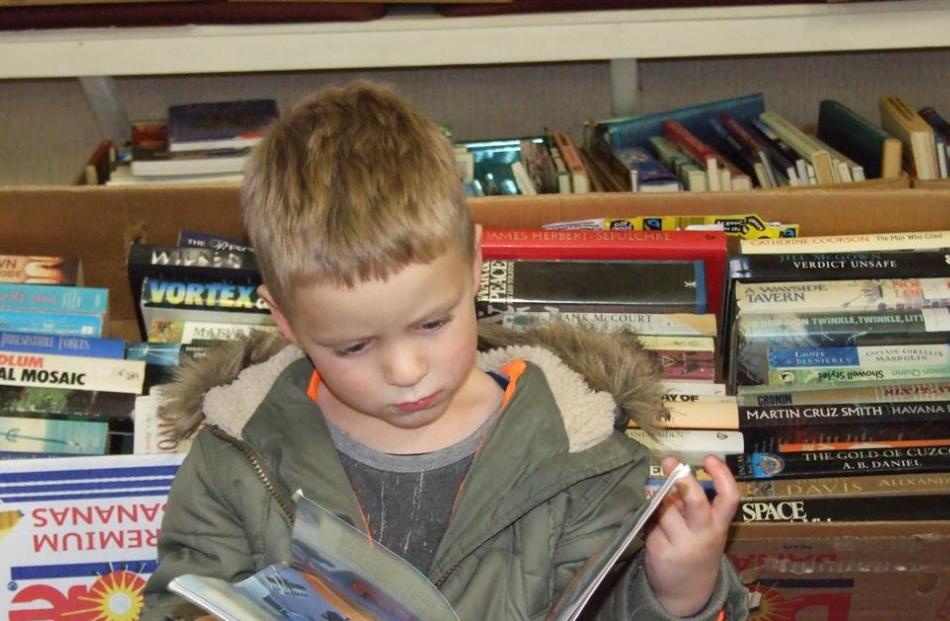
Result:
[684,548]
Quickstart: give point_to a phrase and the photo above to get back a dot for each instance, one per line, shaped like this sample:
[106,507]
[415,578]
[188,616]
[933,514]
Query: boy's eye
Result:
[350,350]
[435,324]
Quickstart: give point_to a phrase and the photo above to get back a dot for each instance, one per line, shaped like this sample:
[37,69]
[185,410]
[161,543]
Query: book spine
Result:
[711,413]
[23,297]
[829,244]
[43,435]
[61,324]
[62,345]
[33,401]
[828,375]
[608,286]
[874,392]
[658,324]
[751,417]
[845,509]
[746,466]
[690,445]
[224,296]
[40,270]
[697,366]
[572,159]
[870,485]
[795,438]
[185,332]
[843,295]
[197,239]
[871,356]
[839,329]
[839,266]
[71,372]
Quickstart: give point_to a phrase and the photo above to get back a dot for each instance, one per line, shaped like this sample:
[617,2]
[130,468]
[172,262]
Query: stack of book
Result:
[839,356]
[661,288]
[188,297]
[736,144]
[65,389]
[547,164]
[200,143]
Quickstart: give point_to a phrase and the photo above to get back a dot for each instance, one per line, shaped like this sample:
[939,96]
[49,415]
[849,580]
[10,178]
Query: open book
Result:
[338,574]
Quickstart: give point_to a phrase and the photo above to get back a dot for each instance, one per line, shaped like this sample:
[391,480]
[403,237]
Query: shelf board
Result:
[416,36]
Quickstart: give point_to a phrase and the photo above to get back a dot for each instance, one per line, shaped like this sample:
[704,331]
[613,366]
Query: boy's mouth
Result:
[421,404]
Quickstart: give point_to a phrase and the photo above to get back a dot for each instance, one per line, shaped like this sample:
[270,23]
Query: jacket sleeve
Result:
[597,510]
[201,531]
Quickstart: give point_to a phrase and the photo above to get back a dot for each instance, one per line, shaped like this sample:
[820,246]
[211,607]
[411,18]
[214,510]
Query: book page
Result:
[593,572]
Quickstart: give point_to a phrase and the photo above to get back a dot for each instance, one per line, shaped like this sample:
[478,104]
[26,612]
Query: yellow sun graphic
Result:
[116,596]
[773,607]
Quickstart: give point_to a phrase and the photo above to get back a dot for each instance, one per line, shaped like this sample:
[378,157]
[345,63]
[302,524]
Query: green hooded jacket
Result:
[551,481]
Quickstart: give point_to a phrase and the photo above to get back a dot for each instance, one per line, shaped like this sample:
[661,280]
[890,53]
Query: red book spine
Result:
[540,245]
[674,130]
[740,133]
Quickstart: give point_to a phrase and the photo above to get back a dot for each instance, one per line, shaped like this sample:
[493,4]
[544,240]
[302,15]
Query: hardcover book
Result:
[219,125]
[40,270]
[607,286]
[336,572]
[844,129]
[563,244]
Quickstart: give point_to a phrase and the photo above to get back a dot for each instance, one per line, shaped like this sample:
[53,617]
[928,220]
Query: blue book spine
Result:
[65,324]
[23,297]
[62,345]
[157,354]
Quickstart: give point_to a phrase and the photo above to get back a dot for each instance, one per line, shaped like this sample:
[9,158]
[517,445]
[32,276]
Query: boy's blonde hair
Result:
[352,184]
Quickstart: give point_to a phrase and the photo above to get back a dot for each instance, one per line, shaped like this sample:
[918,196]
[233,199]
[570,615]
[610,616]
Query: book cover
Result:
[52,371]
[608,286]
[336,572]
[40,270]
[540,244]
[806,146]
[745,167]
[862,242]
[747,466]
[869,356]
[757,148]
[580,182]
[637,130]
[704,155]
[216,295]
[219,125]
[690,445]
[78,534]
[185,332]
[24,342]
[875,150]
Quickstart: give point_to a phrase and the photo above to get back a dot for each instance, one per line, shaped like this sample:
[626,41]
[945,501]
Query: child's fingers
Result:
[726,502]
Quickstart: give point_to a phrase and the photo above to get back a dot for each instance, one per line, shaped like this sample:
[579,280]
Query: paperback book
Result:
[337,572]
[41,270]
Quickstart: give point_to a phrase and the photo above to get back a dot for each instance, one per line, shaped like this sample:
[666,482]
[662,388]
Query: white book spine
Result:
[870,242]
[75,372]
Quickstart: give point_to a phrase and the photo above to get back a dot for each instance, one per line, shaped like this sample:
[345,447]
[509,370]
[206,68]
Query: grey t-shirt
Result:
[407,499]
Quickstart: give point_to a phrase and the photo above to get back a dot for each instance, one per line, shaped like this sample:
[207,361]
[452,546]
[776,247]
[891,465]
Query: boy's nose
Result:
[405,367]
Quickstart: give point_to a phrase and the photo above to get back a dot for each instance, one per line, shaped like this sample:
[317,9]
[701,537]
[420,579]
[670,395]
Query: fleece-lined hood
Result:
[599,380]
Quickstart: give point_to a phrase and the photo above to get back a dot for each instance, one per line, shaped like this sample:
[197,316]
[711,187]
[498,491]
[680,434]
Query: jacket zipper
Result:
[258,468]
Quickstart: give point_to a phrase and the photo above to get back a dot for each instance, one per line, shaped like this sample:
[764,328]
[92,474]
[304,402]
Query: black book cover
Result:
[41,402]
[605,286]
[827,437]
[852,462]
[822,415]
[845,508]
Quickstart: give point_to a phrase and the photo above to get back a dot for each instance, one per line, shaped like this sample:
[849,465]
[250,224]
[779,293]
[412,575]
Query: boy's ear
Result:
[279,318]
[477,257]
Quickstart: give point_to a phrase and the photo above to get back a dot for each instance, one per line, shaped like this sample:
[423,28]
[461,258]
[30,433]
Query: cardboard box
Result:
[806,572]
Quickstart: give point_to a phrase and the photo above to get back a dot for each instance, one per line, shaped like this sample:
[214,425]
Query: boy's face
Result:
[399,351]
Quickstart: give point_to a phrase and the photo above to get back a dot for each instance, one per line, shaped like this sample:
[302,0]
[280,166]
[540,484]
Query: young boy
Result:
[496,473]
